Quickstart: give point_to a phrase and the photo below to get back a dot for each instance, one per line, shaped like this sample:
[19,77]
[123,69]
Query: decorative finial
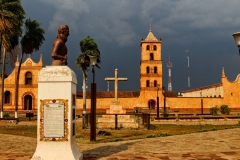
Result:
[150,27]
[223,73]
[40,60]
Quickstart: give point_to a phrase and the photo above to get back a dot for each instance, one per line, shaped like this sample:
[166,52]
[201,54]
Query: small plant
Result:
[151,136]
[6,115]
[116,139]
[203,130]
[213,111]
[214,129]
[164,134]
[165,114]
[105,133]
[224,109]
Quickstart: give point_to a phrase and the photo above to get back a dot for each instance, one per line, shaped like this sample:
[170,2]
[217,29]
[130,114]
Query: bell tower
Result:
[150,70]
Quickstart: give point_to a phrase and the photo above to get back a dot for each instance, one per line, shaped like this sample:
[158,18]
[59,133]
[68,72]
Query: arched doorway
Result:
[28,102]
[151,104]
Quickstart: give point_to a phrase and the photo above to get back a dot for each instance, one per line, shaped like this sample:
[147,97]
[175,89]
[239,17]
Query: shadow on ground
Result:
[106,150]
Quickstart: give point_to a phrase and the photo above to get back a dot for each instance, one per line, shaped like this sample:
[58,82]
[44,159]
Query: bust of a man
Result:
[59,53]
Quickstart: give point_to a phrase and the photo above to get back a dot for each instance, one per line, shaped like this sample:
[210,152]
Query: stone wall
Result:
[104,103]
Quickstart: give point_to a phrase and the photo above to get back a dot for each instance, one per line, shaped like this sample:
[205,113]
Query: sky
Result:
[204,28]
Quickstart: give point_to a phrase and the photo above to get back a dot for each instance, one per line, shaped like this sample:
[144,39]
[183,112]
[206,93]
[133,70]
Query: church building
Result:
[151,87]
[28,86]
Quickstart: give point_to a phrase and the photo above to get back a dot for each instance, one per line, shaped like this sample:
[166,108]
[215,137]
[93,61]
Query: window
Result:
[151,56]
[147,69]
[148,47]
[155,83]
[147,83]
[28,78]
[154,47]
[155,69]
[7,97]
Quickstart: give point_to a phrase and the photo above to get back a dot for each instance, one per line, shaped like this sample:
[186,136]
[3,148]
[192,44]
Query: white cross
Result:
[116,79]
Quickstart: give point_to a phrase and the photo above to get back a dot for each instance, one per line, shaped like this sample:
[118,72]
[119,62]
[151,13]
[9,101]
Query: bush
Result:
[165,114]
[213,111]
[6,114]
[203,130]
[164,134]
[224,109]
[151,136]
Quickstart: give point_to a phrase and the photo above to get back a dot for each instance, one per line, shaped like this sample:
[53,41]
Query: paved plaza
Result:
[214,145]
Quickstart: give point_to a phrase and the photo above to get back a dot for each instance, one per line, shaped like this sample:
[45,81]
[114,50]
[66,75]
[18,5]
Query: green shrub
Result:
[238,123]
[214,129]
[151,136]
[224,109]
[213,110]
[164,134]
[203,130]
[6,114]
[165,114]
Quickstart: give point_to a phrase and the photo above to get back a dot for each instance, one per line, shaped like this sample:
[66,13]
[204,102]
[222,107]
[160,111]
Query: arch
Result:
[147,83]
[148,47]
[151,56]
[28,78]
[147,69]
[155,69]
[155,83]
[7,97]
[151,104]
[23,100]
[154,47]
[28,105]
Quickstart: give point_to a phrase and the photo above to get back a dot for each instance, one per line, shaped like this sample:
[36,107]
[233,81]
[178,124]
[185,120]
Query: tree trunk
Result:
[84,99]
[17,85]
[3,73]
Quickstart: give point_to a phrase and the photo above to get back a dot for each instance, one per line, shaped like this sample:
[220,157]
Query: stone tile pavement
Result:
[215,145]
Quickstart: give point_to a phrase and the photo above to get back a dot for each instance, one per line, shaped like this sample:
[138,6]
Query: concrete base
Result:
[57,151]
[124,121]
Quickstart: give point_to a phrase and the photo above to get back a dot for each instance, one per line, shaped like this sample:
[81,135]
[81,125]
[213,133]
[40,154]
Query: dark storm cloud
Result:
[203,27]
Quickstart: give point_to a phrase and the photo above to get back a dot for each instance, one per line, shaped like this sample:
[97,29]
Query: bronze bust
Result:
[59,53]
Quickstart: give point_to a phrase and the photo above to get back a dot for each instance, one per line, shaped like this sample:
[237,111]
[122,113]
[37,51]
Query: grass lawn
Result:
[108,135]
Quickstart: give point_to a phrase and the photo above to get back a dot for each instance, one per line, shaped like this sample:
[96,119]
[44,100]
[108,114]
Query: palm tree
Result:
[88,48]
[31,41]
[11,20]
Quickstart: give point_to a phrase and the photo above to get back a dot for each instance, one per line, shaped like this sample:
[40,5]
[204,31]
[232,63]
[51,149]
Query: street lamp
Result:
[158,101]
[93,62]
[236,37]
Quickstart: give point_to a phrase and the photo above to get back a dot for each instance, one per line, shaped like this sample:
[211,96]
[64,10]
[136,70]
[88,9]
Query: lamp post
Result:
[236,37]
[93,61]
[158,101]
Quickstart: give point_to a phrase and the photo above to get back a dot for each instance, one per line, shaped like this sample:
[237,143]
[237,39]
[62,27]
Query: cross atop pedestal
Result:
[116,79]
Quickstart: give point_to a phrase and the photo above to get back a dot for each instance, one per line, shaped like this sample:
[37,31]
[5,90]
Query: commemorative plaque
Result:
[54,120]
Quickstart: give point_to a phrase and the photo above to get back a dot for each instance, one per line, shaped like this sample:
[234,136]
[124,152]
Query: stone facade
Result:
[28,86]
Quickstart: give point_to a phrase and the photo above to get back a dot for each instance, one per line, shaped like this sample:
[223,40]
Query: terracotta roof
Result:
[170,94]
[151,37]
[202,88]
[111,94]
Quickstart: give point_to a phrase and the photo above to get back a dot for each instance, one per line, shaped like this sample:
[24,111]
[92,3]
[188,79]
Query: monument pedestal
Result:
[124,121]
[56,115]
